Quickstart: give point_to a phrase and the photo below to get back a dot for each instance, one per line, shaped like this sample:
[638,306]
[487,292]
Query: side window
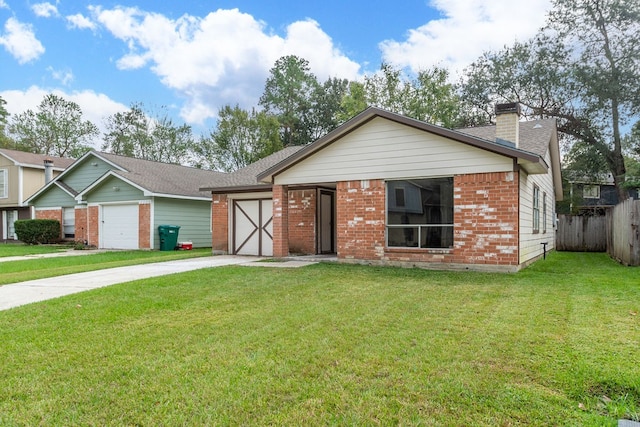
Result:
[536,209]
[544,212]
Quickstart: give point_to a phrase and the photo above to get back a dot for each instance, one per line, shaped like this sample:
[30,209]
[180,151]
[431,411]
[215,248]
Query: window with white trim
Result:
[544,212]
[4,184]
[591,192]
[420,213]
[536,209]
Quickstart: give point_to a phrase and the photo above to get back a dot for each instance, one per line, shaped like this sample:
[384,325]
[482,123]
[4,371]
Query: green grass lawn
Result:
[556,344]
[20,249]
[31,269]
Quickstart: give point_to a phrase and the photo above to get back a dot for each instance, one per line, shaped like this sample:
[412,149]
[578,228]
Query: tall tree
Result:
[5,141]
[326,103]
[428,96]
[240,138]
[149,136]
[56,129]
[582,68]
[288,95]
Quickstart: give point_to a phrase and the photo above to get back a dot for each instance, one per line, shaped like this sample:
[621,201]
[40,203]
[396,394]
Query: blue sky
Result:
[196,56]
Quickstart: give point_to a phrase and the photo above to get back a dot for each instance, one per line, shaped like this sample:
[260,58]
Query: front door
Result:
[9,226]
[326,244]
[253,227]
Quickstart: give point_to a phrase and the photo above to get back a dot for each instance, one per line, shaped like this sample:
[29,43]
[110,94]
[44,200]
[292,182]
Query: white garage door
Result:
[253,227]
[119,227]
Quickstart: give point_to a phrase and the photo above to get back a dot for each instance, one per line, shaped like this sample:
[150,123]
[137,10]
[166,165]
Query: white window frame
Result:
[536,209]
[591,191]
[544,212]
[4,189]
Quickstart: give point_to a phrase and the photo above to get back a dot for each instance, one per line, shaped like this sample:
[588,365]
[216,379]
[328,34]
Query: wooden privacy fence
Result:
[581,233]
[623,232]
[617,233]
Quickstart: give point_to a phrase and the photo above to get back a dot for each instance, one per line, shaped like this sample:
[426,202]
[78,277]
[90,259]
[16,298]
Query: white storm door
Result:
[253,227]
[119,227]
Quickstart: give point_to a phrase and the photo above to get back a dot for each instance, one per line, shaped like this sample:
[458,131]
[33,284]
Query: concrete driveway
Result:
[17,294]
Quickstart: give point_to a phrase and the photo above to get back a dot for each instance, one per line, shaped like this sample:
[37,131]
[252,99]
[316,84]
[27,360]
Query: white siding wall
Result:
[386,149]
[530,242]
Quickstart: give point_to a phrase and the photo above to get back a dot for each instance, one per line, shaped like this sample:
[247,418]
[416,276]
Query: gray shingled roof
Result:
[35,160]
[247,176]
[163,178]
[534,135]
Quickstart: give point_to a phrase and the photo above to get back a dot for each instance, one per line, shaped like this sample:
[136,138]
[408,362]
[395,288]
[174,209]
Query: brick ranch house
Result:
[386,189]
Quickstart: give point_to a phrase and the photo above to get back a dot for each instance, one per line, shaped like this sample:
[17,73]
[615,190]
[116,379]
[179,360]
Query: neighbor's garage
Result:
[119,226]
[253,227]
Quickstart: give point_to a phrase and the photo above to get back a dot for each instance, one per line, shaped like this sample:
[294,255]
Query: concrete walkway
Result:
[17,294]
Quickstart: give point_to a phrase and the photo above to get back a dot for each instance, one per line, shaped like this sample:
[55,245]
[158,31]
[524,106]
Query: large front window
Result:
[420,213]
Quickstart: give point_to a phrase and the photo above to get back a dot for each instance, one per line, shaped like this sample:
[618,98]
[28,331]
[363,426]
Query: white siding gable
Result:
[383,149]
[531,242]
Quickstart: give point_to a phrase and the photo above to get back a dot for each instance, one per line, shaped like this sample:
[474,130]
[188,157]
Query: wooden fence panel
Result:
[623,232]
[581,233]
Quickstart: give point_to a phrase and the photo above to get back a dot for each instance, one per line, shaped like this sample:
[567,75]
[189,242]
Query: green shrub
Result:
[34,231]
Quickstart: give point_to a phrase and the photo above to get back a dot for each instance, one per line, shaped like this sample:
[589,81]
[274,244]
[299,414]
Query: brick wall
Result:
[485,223]
[220,224]
[93,227]
[302,222]
[360,211]
[81,224]
[280,221]
[55,213]
[144,225]
[486,218]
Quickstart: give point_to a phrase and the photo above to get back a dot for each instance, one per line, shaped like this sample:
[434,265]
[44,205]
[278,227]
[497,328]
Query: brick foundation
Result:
[302,222]
[220,224]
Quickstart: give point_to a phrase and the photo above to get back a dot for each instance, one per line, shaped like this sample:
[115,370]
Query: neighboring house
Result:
[21,175]
[595,195]
[387,189]
[118,202]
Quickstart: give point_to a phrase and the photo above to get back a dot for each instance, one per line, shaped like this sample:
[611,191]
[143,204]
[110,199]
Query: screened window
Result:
[4,184]
[420,213]
[536,209]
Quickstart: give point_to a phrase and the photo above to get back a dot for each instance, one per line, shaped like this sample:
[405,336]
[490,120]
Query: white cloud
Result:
[468,28]
[63,76]
[222,58]
[20,41]
[45,10]
[96,107]
[4,5]
[81,22]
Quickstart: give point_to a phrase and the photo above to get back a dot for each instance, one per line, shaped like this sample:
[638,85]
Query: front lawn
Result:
[20,249]
[556,344]
[39,268]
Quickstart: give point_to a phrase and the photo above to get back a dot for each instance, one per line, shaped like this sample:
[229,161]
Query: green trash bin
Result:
[168,237]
